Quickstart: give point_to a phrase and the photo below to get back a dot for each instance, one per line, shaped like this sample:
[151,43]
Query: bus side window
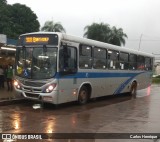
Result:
[123,57]
[132,62]
[113,62]
[99,58]
[72,60]
[67,60]
[140,62]
[85,57]
[151,63]
[148,63]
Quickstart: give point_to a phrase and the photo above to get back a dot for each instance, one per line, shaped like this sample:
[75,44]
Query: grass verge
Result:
[156,80]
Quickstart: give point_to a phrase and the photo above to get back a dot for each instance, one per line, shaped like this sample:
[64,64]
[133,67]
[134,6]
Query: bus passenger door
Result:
[68,72]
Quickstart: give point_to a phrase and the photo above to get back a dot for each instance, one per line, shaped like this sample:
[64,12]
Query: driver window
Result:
[68,59]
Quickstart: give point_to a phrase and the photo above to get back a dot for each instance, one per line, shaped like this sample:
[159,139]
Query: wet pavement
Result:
[8,97]
[112,114]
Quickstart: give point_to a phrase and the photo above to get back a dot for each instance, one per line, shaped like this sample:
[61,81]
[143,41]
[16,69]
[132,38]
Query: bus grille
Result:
[33,84]
[28,89]
[32,95]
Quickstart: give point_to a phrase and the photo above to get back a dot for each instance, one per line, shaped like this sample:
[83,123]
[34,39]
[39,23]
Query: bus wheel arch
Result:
[133,88]
[84,93]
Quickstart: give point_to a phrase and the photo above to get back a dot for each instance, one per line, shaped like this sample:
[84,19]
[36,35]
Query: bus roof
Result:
[92,43]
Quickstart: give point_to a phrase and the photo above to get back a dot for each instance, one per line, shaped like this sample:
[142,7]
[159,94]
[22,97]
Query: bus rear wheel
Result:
[83,96]
[133,89]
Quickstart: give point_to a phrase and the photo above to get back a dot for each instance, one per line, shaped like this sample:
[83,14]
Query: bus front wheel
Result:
[83,96]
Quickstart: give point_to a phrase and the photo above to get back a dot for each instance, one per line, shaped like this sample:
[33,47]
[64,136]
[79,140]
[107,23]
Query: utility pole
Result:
[140,42]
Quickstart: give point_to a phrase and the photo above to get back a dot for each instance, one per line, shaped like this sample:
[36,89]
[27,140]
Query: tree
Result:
[17,19]
[98,32]
[103,32]
[4,16]
[117,36]
[24,20]
[50,26]
[3,2]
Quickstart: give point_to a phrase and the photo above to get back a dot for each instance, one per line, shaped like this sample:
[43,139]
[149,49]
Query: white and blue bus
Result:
[59,68]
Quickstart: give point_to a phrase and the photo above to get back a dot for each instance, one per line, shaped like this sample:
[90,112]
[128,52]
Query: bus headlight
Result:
[50,88]
[16,84]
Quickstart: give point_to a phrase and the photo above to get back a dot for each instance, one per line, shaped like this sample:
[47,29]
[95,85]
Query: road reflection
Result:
[144,92]
[16,120]
[50,127]
[148,90]
[30,116]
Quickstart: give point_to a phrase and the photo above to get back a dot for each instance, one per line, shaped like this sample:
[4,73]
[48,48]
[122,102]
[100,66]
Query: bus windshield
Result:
[36,62]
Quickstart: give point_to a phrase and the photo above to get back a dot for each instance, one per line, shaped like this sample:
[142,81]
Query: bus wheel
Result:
[133,89]
[83,96]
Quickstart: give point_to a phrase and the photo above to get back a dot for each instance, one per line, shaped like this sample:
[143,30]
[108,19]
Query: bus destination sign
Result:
[36,39]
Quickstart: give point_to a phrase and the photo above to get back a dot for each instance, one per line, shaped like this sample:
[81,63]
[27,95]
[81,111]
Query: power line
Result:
[156,54]
[151,38]
[143,40]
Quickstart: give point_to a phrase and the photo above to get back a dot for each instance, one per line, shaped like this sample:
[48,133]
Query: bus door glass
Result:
[67,60]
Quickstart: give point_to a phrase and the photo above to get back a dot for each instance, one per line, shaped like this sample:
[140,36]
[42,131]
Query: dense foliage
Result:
[103,32]
[17,19]
[51,26]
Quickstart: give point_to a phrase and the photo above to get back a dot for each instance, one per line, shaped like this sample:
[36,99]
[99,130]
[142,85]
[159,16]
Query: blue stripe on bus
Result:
[95,75]
[103,75]
[124,84]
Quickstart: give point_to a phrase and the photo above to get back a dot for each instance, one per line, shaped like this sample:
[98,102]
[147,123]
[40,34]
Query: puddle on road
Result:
[144,92]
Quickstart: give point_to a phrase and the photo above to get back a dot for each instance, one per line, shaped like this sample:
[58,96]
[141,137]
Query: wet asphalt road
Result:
[120,114]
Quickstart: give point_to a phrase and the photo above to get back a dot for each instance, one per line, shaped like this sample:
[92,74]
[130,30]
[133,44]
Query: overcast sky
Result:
[136,17]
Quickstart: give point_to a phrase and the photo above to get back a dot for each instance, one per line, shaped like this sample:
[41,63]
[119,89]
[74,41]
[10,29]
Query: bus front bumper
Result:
[45,97]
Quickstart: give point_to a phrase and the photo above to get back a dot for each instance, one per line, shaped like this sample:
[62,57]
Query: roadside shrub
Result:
[158,76]
[156,80]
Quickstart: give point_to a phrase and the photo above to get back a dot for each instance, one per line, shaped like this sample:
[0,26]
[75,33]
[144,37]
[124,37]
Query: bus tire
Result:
[83,95]
[133,89]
